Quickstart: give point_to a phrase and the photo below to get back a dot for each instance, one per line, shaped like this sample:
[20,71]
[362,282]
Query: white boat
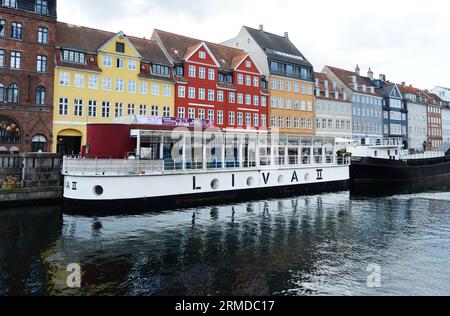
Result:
[184,169]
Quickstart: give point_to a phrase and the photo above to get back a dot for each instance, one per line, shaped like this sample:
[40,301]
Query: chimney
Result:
[261,27]
[370,74]
[403,83]
[286,34]
[357,70]
[383,77]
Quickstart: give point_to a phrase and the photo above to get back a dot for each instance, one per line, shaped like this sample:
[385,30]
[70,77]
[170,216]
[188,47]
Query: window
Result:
[281,122]
[181,91]
[280,85]
[40,95]
[107,61]
[132,86]
[240,119]
[219,117]
[211,115]
[160,70]
[192,71]
[16,30]
[296,123]
[240,79]
[255,100]
[201,114]
[143,88]
[120,47]
[288,86]
[232,97]
[255,81]
[155,89]
[120,63]
[273,102]
[41,7]
[79,80]
[131,109]
[231,118]
[93,82]
[310,106]
[273,121]
[288,104]
[92,108]
[263,101]
[120,85]
[2,27]
[42,35]
[106,109]
[288,122]
[15,60]
[296,87]
[220,96]
[167,91]
[191,113]
[63,106]
[155,110]
[12,93]
[201,94]
[211,74]
[143,110]
[255,120]
[273,84]
[240,98]
[166,111]
[191,93]
[281,103]
[132,64]
[248,120]
[248,64]
[38,143]
[2,58]
[201,72]
[248,80]
[263,120]
[73,57]
[310,123]
[179,71]
[64,78]
[181,113]
[202,55]
[106,84]
[211,95]
[78,107]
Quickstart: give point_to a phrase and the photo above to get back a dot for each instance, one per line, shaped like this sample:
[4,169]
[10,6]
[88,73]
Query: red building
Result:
[216,83]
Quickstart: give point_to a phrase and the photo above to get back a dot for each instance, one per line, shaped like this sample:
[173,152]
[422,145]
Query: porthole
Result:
[98,189]
[250,181]
[280,179]
[215,184]
[307,177]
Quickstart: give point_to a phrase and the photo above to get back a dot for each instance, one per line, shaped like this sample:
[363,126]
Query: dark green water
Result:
[315,245]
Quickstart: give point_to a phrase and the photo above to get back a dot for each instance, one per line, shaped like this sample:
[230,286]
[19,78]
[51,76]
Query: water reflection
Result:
[314,245]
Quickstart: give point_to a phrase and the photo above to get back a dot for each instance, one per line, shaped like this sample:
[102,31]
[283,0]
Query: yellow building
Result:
[290,76]
[106,78]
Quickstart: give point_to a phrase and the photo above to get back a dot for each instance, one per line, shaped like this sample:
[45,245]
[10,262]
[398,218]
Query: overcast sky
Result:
[408,40]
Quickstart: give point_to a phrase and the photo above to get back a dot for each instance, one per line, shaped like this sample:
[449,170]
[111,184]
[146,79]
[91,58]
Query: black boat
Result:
[384,165]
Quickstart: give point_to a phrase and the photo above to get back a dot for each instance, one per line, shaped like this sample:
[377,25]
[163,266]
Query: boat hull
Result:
[175,191]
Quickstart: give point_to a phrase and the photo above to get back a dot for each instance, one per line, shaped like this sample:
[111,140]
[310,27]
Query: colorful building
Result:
[216,83]
[290,77]
[367,102]
[434,116]
[108,79]
[27,49]
[417,117]
[333,109]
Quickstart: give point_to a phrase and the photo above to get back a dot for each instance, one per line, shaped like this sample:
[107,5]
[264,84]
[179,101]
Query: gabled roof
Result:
[178,48]
[89,40]
[344,76]
[278,47]
[321,78]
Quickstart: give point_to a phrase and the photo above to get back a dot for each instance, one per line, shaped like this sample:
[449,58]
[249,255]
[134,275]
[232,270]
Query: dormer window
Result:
[248,64]
[160,70]
[41,7]
[179,71]
[10,3]
[73,57]
[120,48]
[202,55]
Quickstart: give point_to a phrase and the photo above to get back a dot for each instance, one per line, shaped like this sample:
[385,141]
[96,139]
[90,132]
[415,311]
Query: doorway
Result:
[69,145]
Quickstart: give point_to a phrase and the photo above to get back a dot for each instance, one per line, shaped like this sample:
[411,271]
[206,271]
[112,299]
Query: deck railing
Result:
[117,167]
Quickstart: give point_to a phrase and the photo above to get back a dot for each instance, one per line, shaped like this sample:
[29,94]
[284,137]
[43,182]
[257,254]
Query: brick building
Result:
[27,48]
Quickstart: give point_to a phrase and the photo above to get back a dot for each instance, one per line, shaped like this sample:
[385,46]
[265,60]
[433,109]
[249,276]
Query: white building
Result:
[443,93]
[417,116]
[333,109]
[446,124]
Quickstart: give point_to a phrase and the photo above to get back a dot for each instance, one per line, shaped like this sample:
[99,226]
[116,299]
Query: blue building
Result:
[395,112]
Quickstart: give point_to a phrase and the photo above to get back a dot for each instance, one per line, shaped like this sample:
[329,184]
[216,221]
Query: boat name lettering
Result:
[194,182]
[319,174]
[294,177]
[266,179]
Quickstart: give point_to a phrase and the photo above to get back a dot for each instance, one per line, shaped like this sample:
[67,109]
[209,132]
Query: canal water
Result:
[330,244]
